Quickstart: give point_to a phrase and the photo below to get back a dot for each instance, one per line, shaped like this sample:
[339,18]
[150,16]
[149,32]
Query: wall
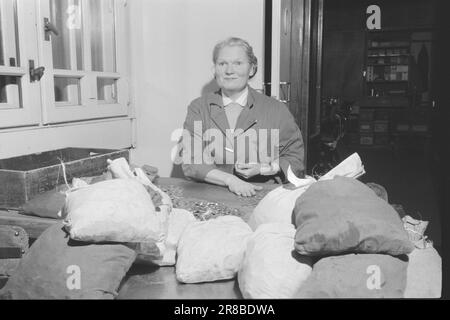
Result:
[106,134]
[171,63]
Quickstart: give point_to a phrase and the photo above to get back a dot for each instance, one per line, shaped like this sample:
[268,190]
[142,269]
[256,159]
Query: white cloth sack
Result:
[118,210]
[179,219]
[211,250]
[424,274]
[271,268]
[351,167]
[164,253]
[277,205]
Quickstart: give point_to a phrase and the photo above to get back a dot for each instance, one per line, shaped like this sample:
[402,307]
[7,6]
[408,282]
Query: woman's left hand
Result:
[248,170]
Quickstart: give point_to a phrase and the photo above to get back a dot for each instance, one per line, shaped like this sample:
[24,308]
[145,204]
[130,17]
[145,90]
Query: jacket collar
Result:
[241,100]
[215,98]
[246,119]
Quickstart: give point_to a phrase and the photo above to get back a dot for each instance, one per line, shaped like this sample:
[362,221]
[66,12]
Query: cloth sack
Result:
[57,267]
[272,269]
[424,277]
[356,276]
[45,205]
[50,203]
[211,250]
[118,210]
[148,253]
[277,205]
[343,215]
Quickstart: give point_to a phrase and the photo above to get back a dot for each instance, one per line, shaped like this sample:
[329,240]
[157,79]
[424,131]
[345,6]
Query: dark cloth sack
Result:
[48,204]
[45,205]
[343,215]
[357,276]
[51,268]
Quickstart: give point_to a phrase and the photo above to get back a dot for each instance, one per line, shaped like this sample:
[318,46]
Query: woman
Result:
[255,137]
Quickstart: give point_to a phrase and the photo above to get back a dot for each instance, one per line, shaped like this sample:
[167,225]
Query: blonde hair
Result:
[233,41]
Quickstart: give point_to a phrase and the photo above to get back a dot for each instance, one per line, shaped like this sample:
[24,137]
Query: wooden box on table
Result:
[23,177]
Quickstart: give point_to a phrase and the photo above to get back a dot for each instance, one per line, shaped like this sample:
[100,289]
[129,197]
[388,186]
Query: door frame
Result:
[303,54]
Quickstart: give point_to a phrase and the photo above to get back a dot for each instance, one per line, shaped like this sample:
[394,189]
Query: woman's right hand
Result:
[242,188]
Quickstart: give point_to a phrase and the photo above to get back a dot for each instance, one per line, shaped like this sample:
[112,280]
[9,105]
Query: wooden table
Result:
[35,225]
[152,282]
[149,282]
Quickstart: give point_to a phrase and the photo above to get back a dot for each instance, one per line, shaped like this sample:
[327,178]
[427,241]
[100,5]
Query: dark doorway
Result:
[393,79]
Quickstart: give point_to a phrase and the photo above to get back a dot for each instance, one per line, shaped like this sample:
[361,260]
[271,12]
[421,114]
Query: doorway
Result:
[390,75]
[293,51]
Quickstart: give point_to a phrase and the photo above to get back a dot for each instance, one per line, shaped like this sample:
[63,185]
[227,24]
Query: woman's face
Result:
[232,69]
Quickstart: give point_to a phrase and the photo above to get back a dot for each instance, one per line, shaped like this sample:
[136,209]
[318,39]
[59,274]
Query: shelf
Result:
[388,64]
[389,55]
[383,107]
[388,81]
[389,47]
[425,134]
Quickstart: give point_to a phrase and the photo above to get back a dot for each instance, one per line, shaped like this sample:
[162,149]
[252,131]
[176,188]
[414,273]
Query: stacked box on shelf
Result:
[399,122]
[381,139]
[366,114]
[381,115]
[366,126]
[366,139]
[402,127]
[381,126]
[370,73]
[419,120]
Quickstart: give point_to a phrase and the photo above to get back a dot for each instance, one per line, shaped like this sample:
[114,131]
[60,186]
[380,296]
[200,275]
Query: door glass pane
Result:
[9,41]
[10,92]
[103,48]
[67,91]
[67,45]
[106,90]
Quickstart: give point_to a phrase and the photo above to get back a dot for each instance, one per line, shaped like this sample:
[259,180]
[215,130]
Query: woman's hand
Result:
[248,170]
[242,188]
[253,169]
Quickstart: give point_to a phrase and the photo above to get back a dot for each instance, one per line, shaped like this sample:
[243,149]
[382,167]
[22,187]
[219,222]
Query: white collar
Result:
[242,100]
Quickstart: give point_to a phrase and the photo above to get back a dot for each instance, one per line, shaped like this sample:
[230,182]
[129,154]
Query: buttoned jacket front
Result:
[261,112]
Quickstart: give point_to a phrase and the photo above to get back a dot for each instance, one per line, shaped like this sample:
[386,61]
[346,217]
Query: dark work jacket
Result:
[261,112]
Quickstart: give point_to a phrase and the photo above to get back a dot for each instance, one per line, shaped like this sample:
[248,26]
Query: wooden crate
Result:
[366,139]
[365,126]
[381,139]
[382,115]
[366,115]
[381,126]
[23,177]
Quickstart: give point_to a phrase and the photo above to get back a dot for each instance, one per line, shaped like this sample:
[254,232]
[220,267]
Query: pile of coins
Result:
[201,209]
[205,210]
[172,191]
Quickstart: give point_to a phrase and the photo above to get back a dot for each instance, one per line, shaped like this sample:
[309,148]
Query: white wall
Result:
[171,62]
[103,134]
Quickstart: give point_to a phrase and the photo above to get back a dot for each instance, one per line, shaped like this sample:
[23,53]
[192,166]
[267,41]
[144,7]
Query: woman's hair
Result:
[233,41]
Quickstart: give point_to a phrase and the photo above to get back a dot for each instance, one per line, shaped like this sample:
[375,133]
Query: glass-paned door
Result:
[19,96]
[83,53]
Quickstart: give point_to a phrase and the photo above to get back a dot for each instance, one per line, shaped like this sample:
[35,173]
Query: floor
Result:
[407,175]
